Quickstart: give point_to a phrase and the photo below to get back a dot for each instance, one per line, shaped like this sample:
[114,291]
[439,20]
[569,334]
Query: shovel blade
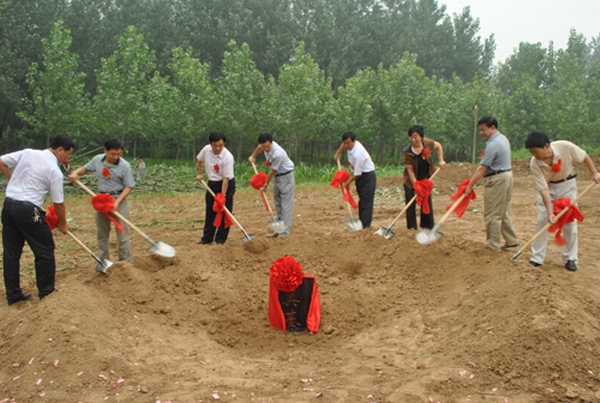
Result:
[247,238]
[162,249]
[277,226]
[103,267]
[427,236]
[354,225]
[385,232]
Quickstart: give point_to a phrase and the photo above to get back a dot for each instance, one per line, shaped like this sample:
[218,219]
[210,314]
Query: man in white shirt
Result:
[363,170]
[552,169]
[34,174]
[217,161]
[284,184]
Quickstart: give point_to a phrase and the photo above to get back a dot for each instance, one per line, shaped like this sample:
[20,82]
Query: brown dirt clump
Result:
[401,322]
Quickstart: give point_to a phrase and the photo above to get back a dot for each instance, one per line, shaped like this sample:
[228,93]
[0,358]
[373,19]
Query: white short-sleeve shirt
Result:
[217,167]
[360,160]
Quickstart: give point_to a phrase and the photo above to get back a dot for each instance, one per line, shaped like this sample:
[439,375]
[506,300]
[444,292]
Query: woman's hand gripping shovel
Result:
[276,225]
[387,232]
[246,237]
[427,236]
[540,232]
[159,248]
[352,224]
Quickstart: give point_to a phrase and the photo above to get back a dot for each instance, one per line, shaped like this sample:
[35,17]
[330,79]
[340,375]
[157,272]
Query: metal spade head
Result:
[247,237]
[162,249]
[385,232]
[277,226]
[103,267]
[354,225]
[427,236]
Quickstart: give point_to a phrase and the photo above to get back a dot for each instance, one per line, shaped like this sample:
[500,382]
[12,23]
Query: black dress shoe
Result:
[24,297]
[534,264]
[201,242]
[570,265]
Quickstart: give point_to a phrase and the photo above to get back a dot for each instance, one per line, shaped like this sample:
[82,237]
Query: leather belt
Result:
[285,173]
[115,193]
[568,178]
[497,172]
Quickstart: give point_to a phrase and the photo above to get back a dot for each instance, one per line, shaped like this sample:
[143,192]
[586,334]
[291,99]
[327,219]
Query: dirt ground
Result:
[401,322]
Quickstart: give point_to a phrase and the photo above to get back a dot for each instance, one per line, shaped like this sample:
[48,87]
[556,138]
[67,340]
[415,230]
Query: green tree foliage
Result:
[304,97]
[119,104]
[57,104]
[241,90]
[198,99]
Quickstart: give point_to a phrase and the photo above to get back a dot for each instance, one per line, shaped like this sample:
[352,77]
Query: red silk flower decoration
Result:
[267,163]
[258,180]
[104,203]
[462,207]
[286,274]
[106,173]
[217,168]
[481,154]
[52,218]
[423,190]
[342,176]
[351,166]
[425,153]
[557,167]
[571,215]
[219,208]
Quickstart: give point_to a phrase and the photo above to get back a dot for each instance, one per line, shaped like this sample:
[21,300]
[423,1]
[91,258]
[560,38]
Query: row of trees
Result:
[166,115]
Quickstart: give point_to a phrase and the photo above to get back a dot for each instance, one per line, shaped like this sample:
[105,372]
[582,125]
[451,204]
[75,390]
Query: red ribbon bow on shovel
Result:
[257,181]
[462,207]
[219,208]
[52,218]
[423,190]
[104,203]
[571,215]
[342,176]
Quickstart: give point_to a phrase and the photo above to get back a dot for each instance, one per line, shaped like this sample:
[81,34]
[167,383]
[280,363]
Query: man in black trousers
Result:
[34,174]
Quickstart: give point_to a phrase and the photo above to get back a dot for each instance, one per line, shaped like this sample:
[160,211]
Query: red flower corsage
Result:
[267,163]
[425,153]
[351,166]
[482,152]
[216,167]
[556,167]
[106,173]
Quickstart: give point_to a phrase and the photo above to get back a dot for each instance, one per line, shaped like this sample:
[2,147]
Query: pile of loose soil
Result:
[401,322]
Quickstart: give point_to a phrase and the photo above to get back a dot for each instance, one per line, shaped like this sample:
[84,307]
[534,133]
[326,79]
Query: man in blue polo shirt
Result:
[496,168]
[115,178]
[284,184]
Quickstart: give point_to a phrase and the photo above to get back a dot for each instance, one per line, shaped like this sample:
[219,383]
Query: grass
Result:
[167,177]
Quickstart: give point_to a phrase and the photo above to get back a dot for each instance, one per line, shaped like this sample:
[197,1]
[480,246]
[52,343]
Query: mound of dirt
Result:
[401,322]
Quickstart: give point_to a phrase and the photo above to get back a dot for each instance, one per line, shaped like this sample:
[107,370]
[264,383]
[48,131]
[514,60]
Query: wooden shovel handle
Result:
[226,209]
[88,250]
[263,194]
[547,226]
[410,202]
[118,215]
[450,211]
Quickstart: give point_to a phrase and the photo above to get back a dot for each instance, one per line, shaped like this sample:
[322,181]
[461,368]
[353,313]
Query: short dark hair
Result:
[537,140]
[489,121]
[63,141]
[349,135]
[113,144]
[264,137]
[216,136]
[416,129]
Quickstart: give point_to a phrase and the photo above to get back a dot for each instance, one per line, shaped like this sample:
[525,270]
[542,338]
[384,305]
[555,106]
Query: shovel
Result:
[387,232]
[159,248]
[427,236]
[540,232]
[103,264]
[276,225]
[352,224]
[246,237]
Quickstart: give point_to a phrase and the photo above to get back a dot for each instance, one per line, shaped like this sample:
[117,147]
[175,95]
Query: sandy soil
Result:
[401,322]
